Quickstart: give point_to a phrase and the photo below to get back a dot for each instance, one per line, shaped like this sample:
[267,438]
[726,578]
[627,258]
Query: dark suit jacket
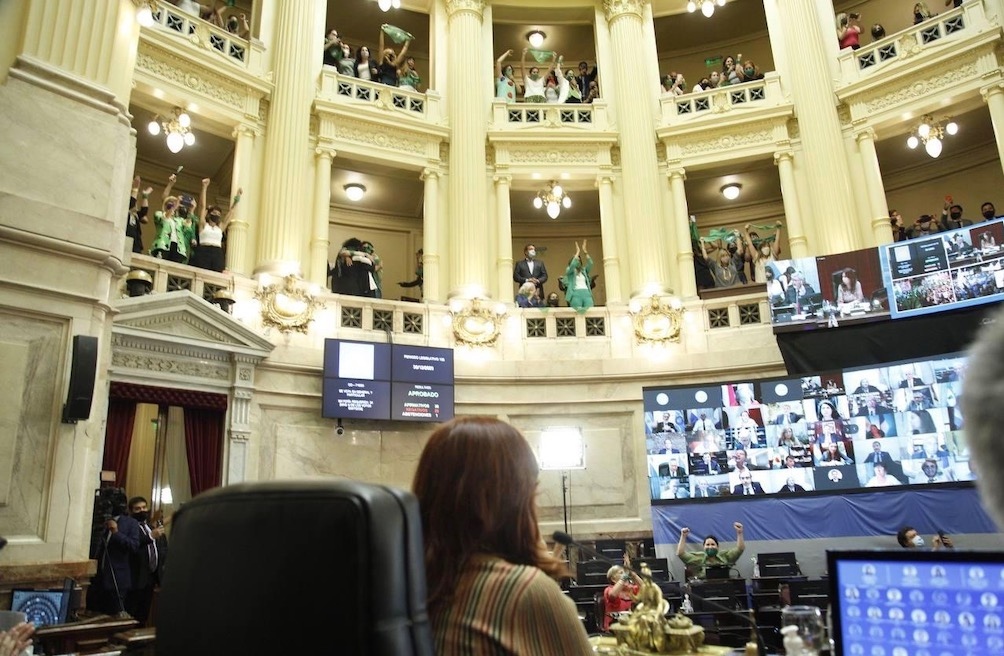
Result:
[784,489]
[791,294]
[865,411]
[787,418]
[738,490]
[521,273]
[142,577]
[115,556]
[886,458]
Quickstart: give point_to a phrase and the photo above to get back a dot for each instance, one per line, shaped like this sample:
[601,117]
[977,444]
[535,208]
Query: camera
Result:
[339,429]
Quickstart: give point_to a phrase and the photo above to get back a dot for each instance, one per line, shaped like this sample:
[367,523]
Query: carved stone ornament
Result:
[287,306]
[455,6]
[657,322]
[617,8]
[476,322]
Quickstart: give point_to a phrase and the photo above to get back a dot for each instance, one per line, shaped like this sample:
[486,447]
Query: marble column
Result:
[797,241]
[681,223]
[238,260]
[103,54]
[993,95]
[503,217]
[430,230]
[878,207]
[608,235]
[468,217]
[828,175]
[283,223]
[647,240]
[320,239]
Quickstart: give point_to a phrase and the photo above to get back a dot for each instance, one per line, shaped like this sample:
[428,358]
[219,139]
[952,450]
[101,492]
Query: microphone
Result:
[564,538]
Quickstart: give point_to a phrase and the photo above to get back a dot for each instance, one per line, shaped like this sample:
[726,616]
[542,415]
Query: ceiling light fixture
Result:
[553,198]
[731,190]
[387,5]
[707,6]
[354,191]
[932,134]
[177,127]
[536,38]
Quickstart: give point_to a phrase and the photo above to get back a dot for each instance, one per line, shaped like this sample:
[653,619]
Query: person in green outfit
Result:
[698,561]
[577,280]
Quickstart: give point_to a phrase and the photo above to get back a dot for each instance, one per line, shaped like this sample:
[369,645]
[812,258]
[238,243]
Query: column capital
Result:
[617,8]
[783,156]
[245,130]
[501,178]
[429,174]
[674,172]
[992,90]
[454,7]
[865,134]
[604,178]
[325,151]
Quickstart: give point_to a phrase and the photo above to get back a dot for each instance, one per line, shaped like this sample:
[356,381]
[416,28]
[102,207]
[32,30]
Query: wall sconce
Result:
[477,321]
[287,305]
[657,320]
[138,283]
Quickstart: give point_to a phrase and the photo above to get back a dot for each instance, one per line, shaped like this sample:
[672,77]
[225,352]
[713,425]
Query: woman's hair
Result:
[926,423]
[170,200]
[528,289]
[851,275]
[615,573]
[359,54]
[842,19]
[710,537]
[476,484]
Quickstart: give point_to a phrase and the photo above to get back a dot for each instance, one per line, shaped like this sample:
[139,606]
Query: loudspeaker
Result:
[82,371]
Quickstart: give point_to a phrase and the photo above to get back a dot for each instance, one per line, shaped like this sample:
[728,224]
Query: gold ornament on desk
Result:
[647,630]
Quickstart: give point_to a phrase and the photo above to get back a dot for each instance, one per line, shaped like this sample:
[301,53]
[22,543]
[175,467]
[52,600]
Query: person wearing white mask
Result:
[530,269]
[908,538]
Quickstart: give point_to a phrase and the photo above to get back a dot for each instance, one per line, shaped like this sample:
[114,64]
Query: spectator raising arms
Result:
[212,226]
[388,69]
[505,86]
[848,30]
[534,83]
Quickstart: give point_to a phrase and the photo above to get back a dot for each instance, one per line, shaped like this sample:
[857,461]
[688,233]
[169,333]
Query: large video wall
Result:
[885,426]
[944,271]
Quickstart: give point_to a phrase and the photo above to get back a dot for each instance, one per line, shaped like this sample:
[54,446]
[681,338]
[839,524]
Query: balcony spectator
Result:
[762,252]
[675,84]
[553,300]
[377,267]
[593,94]
[556,86]
[578,292]
[749,72]
[951,216]
[137,217]
[353,271]
[526,297]
[988,211]
[730,74]
[585,76]
[419,271]
[953,3]
[713,81]
[347,63]
[212,226]
[332,48]
[388,68]
[239,26]
[848,30]
[878,32]
[174,238]
[899,232]
[921,13]
[505,85]
[723,270]
[924,226]
[366,69]
[407,75]
[574,92]
[534,83]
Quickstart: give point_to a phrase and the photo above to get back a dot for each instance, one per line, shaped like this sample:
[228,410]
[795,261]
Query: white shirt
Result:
[189,7]
[211,236]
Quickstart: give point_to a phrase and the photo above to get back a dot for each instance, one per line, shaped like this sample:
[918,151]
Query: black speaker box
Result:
[82,372]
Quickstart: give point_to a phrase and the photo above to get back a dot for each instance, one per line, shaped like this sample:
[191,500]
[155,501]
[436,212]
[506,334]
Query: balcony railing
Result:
[350,90]
[509,116]
[937,32]
[238,51]
[748,95]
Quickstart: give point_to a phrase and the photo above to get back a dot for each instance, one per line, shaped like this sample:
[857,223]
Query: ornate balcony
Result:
[373,98]
[733,101]
[244,53]
[538,116]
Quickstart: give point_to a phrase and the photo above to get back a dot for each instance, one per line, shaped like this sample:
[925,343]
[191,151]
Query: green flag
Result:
[396,34]
[541,55]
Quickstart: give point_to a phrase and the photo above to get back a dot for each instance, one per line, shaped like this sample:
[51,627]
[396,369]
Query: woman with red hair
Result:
[492,587]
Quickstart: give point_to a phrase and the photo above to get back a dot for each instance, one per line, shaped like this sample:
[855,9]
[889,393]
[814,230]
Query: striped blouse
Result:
[502,608]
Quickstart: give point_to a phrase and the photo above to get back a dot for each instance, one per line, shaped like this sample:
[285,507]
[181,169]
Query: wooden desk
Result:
[86,637]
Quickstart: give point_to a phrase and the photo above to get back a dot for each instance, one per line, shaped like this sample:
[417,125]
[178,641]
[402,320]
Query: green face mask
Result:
[711,551]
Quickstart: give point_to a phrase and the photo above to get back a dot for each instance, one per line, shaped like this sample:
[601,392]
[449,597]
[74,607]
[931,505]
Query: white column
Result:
[881,229]
[283,219]
[608,234]
[238,259]
[430,232]
[320,239]
[827,171]
[994,97]
[681,222]
[649,241]
[503,218]
[797,241]
[468,216]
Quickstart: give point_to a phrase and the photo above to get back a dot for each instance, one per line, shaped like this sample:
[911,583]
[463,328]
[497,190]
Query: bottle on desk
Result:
[756,568]
[685,606]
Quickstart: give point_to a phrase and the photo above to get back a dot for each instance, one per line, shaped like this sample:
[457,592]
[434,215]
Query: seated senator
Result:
[491,580]
[620,594]
[698,561]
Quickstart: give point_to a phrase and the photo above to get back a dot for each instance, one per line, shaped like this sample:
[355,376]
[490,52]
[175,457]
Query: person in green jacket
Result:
[578,292]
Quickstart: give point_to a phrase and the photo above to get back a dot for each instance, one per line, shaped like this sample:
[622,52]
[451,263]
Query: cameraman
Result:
[120,541]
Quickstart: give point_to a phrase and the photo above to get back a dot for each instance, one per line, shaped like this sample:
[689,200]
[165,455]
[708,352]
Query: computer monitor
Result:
[782,563]
[934,602]
[658,566]
[42,607]
[717,572]
[592,572]
[809,593]
[716,596]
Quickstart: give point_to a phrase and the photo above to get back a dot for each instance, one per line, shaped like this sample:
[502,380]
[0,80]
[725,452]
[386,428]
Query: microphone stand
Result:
[747,617]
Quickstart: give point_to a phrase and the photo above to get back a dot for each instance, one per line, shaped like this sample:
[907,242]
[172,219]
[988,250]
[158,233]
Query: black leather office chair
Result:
[306,567]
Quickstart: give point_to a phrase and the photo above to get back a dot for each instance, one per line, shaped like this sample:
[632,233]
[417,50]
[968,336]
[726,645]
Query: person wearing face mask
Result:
[212,226]
[924,226]
[908,538]
[147,561]
[377,267]
[749,72]
[174,237]
[137,217]
[533,83]
[988,211]
[697,561]
[530,269]
[762,252]
[578,294]
[505,85]
[951,216]
[388,69]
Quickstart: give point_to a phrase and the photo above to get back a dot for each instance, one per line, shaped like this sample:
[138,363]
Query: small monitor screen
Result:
[914,602]
[41,607]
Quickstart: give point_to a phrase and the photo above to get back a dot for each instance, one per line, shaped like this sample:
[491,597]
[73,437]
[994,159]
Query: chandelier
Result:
[385,5]
[553,198]
[177,127]
[931,133]
[707,6]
